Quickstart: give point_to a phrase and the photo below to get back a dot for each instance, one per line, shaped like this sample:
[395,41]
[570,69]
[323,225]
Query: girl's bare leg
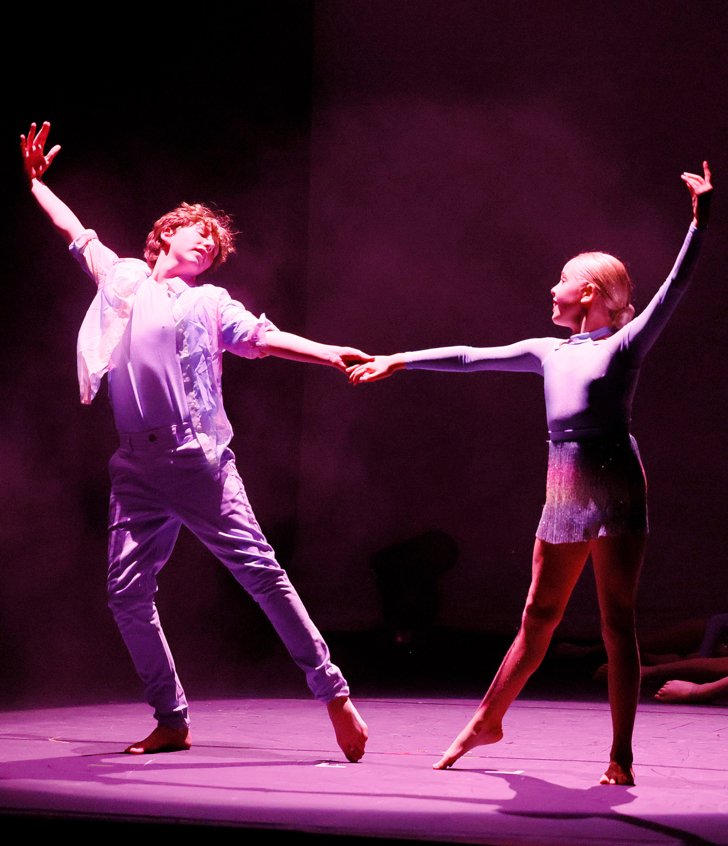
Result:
[556,568]
[617,563]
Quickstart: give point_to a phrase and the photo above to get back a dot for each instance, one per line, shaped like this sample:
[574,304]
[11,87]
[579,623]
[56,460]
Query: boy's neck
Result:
[166,271]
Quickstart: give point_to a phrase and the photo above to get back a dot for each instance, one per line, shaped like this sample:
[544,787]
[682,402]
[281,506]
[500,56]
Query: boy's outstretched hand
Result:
[35,160]
[348,357]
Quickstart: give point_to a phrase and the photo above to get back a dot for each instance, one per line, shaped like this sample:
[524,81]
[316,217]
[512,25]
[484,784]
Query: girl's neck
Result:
[594,318]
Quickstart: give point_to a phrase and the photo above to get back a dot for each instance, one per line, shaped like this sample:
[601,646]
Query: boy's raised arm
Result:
[36,162]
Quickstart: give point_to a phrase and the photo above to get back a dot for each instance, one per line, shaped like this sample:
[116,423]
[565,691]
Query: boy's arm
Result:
[296,348]
[35,162]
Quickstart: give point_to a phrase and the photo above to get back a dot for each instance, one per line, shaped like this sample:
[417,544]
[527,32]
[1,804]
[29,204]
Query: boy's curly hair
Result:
[215,222]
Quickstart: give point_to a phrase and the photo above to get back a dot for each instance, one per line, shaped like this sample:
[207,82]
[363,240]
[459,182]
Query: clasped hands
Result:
[371,368]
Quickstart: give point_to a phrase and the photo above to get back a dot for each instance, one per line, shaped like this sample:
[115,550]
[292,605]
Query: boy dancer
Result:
[159,334]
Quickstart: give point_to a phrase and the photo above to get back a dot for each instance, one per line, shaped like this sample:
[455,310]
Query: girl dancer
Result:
[595,488]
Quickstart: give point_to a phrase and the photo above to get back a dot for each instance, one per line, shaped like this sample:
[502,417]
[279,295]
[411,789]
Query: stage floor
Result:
[272,765]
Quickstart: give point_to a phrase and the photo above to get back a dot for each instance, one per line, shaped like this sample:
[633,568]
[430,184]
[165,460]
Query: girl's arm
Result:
[523,357]
[638,336]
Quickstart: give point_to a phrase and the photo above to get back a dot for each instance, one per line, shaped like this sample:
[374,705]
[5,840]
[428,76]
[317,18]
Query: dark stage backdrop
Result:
[212,108]
[403,175]
[461,153]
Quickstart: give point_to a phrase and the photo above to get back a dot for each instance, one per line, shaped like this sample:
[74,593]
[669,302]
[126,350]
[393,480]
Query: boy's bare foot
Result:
[475,733]
[350,729]
[162,739]
[680,691]
[618,774]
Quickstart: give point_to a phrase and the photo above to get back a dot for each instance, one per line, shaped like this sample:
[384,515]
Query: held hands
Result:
[345,358]
[379,367]
[701,191]
[35,160]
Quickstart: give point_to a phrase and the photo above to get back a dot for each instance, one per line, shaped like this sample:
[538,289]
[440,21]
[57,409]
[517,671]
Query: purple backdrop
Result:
[460,154]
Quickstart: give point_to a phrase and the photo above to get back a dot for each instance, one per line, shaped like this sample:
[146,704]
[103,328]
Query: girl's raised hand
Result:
[701,189]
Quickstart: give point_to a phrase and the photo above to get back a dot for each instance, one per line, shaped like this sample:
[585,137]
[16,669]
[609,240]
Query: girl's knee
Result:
[539,616]
[619,627]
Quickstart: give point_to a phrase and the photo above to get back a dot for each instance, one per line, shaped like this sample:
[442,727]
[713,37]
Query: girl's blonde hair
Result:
[611,279]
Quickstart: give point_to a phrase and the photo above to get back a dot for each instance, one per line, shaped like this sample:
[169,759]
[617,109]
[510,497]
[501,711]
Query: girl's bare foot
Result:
[350,729]
[162,739]
[681,691]
[618,774]
[476,733]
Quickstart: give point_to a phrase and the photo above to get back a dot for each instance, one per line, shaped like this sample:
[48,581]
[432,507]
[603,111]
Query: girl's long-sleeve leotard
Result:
[590,378]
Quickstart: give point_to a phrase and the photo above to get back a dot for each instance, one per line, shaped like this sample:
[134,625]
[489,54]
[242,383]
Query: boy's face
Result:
[192,247]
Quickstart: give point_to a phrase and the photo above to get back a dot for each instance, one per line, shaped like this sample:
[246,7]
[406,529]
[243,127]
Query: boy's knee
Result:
[129,600]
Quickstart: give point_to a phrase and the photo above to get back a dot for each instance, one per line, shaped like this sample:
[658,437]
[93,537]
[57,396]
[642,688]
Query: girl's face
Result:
[567,297]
